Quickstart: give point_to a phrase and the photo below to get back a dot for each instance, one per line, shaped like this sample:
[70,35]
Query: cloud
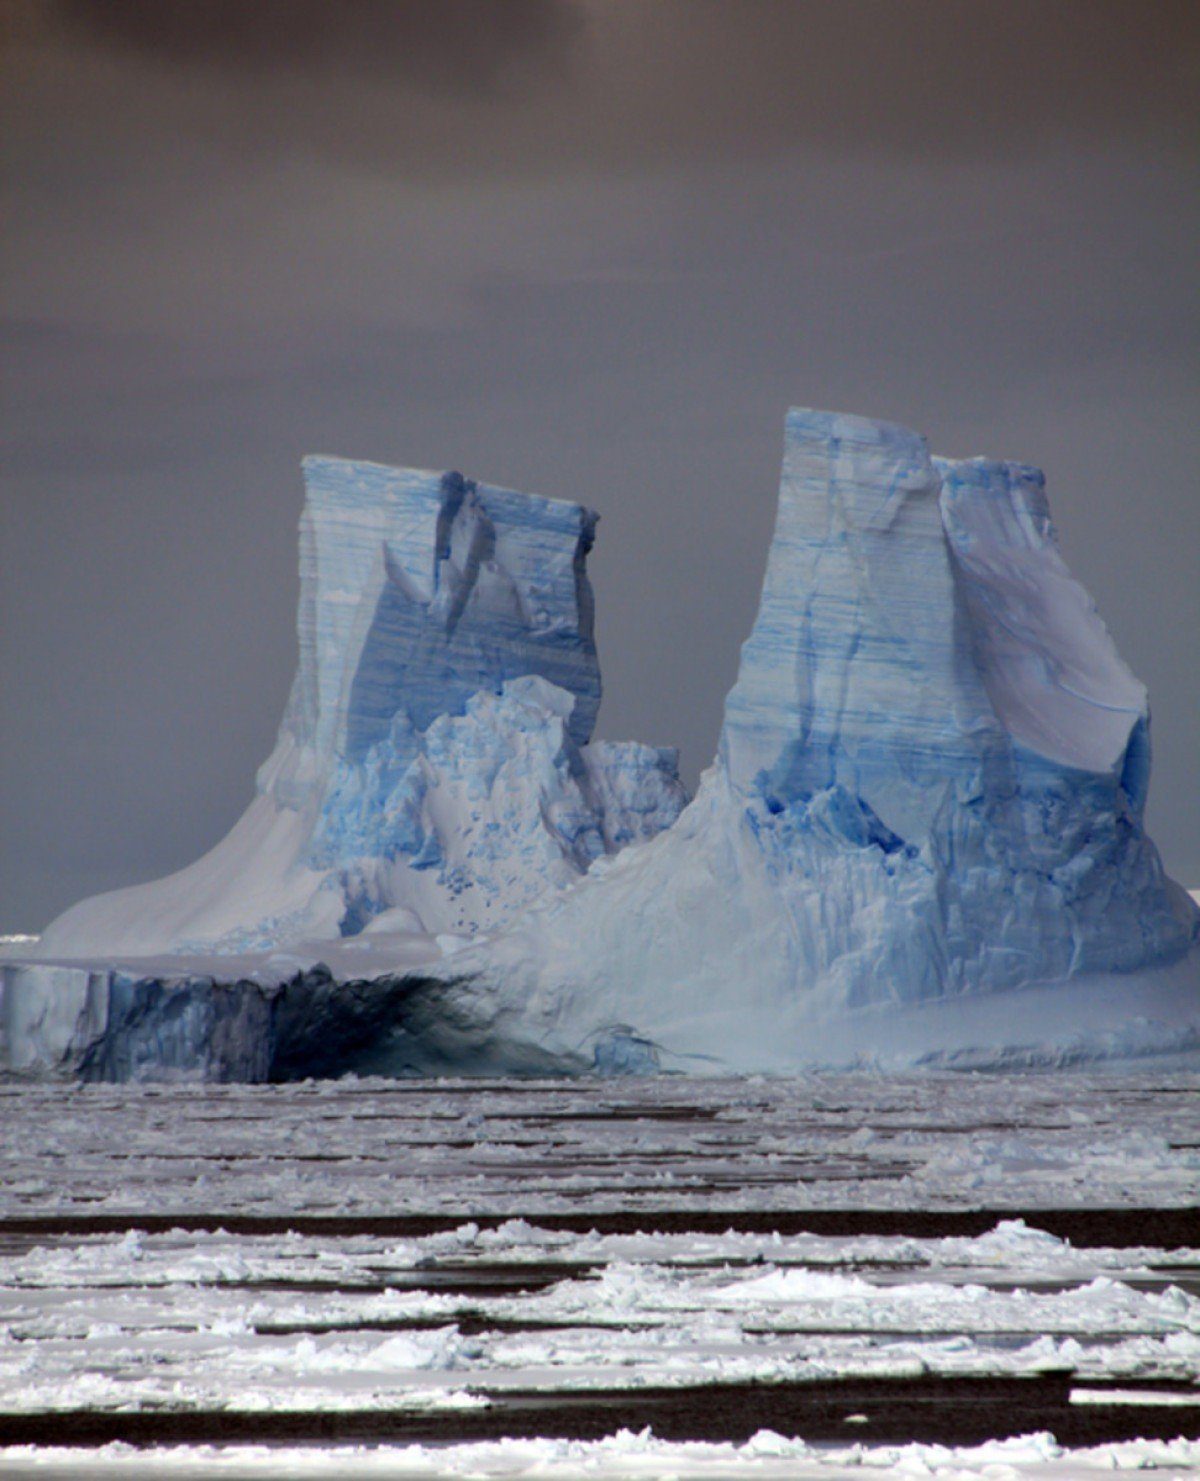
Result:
[586,249]
[451,45]
[512,86]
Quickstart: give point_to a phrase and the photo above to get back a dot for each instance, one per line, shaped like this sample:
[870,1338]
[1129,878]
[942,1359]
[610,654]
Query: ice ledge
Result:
[118,1024]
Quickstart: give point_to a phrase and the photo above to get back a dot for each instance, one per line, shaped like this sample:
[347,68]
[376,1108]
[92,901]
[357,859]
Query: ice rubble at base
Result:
[433,771]
[922,834]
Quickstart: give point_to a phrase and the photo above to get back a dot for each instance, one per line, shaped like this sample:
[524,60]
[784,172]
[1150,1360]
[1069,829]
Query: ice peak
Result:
[854,672]
[433,765]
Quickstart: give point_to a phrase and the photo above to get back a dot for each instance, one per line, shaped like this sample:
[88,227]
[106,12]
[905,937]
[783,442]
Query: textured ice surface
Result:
[626,1455]
[708,1310]
[929,791]
[457,1150]
[922,837]
[132,1278]
[433,763]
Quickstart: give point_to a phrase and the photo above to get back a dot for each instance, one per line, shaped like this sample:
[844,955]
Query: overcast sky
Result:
[591,250]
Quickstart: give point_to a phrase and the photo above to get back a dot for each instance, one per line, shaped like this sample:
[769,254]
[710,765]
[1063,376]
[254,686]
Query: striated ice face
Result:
[421,589]
[433,772]
[928,795]
[855,674]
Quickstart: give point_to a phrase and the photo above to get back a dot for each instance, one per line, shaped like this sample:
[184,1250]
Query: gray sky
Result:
[591,250]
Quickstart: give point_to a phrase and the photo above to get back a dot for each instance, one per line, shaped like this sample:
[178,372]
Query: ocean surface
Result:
[751,1276]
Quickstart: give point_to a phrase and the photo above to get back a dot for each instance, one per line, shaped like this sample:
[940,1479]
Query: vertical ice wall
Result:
[929,790]
[855,672]
[420,589]
[433,771]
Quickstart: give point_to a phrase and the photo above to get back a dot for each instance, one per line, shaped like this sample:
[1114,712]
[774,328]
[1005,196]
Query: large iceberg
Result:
[921,839]
[433,771]
[923,832]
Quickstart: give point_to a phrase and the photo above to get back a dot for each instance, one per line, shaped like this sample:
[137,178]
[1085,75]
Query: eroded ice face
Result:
[433,773]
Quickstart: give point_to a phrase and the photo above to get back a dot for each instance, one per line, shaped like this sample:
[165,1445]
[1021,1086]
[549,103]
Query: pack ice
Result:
[922,836]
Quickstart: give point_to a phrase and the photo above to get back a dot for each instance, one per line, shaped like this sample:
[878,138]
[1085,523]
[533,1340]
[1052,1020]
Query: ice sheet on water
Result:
[458,1149]
[220,1319]
[625,1456]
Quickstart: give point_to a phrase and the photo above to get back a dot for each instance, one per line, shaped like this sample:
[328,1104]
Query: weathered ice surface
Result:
[113,1025]
[433,771]
[928,798]
[921,841]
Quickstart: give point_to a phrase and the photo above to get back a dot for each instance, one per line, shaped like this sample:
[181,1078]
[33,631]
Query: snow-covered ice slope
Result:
[433,771]
[928,795]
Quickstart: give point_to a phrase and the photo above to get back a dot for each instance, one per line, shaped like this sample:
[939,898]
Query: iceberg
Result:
[923,831]
[922,838]
[433,771]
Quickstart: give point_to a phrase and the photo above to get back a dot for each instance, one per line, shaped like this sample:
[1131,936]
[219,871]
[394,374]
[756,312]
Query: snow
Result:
[220,1321]
[433,764]
[626,1454]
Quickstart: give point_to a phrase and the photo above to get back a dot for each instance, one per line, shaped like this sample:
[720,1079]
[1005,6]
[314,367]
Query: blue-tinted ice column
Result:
[856,674]
[432,772]
[420,589]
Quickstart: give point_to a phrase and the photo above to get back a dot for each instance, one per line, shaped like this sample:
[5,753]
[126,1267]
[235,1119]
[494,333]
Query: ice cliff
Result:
[921,839]
[926,808]
[433,771]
